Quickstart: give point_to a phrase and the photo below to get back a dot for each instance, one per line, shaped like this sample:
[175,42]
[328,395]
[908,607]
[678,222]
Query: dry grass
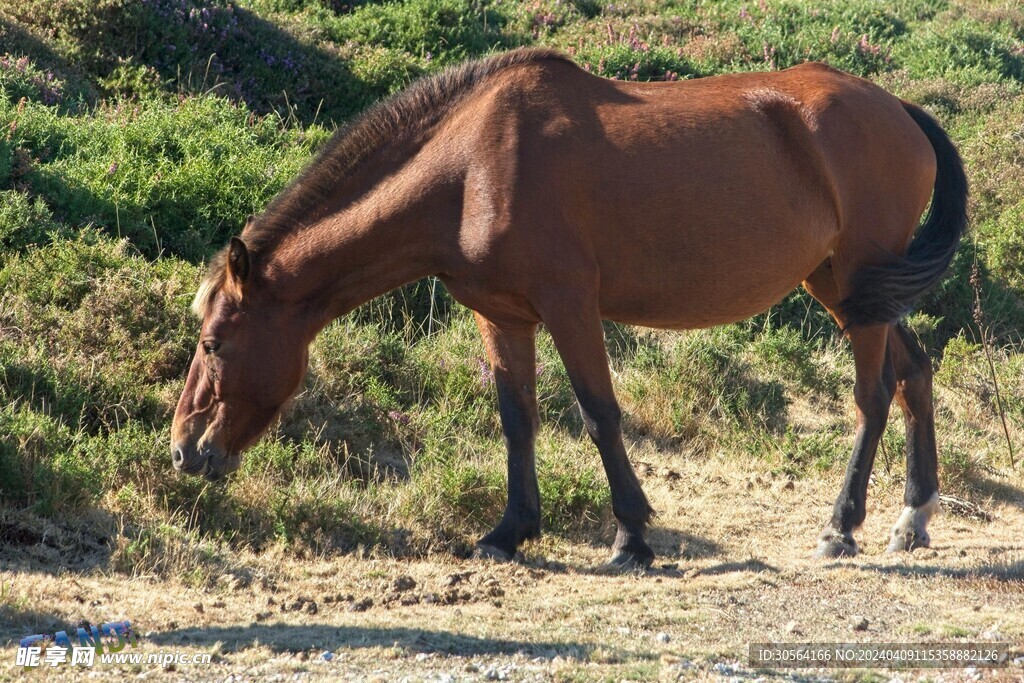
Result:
[734,548]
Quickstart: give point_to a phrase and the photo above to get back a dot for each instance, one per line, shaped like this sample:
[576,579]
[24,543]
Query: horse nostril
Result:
[177,457]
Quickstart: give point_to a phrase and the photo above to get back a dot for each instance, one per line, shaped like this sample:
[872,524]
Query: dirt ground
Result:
[735,566]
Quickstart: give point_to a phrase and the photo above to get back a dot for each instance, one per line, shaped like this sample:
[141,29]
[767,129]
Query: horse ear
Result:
[238,260]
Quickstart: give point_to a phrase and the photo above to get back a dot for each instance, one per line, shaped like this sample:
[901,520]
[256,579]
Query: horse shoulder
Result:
[509,131]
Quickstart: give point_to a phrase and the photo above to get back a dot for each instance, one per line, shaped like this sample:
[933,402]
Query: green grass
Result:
[135,137]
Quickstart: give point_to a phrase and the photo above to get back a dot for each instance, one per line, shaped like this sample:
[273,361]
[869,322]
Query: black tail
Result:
[882,294]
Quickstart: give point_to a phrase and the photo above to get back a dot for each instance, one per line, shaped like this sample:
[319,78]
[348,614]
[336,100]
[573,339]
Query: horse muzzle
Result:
[204,461]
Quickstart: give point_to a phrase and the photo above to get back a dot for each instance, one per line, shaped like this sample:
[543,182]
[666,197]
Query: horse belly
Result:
[691,298]
[711,269]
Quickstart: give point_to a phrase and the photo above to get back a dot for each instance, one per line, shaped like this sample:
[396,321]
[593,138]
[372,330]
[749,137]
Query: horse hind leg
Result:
[913,371]
[873,393]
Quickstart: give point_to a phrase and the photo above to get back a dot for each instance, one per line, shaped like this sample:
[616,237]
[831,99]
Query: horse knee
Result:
[602,420]
[873,401]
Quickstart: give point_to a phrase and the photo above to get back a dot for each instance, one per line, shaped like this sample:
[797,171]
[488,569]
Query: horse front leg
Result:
[579,337]
[512,353]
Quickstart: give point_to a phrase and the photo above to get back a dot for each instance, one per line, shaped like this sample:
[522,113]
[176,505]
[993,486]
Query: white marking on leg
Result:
[911,529]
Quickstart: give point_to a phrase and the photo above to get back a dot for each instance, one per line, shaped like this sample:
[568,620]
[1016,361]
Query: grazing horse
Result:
[539,193]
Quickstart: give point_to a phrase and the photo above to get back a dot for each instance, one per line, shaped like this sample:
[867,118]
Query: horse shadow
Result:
[1010,572]
[670,547]
[32,543]
[988,487]
[298,638]
[675,544]
[18,621]
[752,565]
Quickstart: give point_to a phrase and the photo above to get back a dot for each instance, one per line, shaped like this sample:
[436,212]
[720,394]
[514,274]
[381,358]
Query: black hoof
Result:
[484,551]
[630,551]
[833,544]
[626,561]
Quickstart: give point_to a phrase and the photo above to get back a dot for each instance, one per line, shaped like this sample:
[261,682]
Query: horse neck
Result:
[392,234]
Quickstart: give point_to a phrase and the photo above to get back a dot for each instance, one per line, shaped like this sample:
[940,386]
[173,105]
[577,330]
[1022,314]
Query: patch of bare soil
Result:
[734,568]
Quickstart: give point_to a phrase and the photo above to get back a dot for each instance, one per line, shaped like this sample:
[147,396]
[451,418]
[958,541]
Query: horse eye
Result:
[211,347]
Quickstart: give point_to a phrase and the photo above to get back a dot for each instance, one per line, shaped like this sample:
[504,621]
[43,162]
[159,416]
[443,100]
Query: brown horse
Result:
[539,193]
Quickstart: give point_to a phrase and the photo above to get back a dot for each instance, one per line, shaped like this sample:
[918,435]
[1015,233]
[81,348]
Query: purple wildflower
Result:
[486,376]
[866,48]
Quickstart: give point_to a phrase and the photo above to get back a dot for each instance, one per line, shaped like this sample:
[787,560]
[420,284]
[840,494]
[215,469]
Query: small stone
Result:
[1018,661]
[495,674]
[327,655]
[860,623]
[220,604]
[663,637]
[422,657]
[794,628]
[472,668]
[198,607]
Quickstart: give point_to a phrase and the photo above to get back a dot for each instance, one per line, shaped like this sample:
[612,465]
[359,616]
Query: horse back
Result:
[692,203]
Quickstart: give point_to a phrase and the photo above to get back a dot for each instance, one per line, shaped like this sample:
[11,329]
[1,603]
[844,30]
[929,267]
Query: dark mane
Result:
[410,112]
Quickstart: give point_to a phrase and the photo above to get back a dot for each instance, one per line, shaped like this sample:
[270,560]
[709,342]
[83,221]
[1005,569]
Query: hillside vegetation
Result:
[137,135]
